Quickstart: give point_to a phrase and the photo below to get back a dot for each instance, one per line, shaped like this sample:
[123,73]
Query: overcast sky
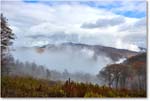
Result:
[119,24]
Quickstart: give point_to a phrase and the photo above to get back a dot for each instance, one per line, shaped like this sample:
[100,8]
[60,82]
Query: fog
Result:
[121,60]
[81,60]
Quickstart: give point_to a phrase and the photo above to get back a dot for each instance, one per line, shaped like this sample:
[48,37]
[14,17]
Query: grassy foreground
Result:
[28,87]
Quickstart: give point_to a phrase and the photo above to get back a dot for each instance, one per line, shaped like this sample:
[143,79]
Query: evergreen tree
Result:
[6,40]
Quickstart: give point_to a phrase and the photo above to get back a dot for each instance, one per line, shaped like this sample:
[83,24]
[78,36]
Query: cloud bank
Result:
[115,23]
[104,23]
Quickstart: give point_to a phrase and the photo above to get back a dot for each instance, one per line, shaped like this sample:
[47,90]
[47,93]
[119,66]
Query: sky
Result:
[119,24]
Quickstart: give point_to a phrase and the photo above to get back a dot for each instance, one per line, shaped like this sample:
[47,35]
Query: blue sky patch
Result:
[132,14]
[103,5]
[99,5]
[31,1]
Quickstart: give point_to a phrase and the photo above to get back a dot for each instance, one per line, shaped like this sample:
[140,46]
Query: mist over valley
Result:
[74,57]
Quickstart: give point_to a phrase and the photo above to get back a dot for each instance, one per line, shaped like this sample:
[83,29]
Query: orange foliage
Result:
[29,87]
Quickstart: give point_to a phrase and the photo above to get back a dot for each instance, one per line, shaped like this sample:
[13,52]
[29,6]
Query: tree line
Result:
[131,74]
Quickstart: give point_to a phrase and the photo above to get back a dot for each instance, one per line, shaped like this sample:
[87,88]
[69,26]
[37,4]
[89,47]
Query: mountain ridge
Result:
[114,53]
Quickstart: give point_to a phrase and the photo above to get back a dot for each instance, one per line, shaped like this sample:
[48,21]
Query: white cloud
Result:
[42,19]
[138,25]
[104,23]
[122,45]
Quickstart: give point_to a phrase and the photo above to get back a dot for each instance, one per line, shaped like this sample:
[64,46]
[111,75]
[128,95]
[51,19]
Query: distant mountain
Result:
[113,53]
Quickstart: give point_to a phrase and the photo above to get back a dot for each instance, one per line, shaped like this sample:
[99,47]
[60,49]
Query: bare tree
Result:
[140,72]
[114,74]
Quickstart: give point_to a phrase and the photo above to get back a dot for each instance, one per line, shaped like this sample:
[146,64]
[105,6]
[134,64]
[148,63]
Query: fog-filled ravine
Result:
[72,60]
[71,57]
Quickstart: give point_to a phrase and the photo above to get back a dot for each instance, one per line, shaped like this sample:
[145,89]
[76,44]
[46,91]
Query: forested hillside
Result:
[131,74]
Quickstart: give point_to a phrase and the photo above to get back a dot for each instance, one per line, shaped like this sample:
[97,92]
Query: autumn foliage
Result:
[29,87]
